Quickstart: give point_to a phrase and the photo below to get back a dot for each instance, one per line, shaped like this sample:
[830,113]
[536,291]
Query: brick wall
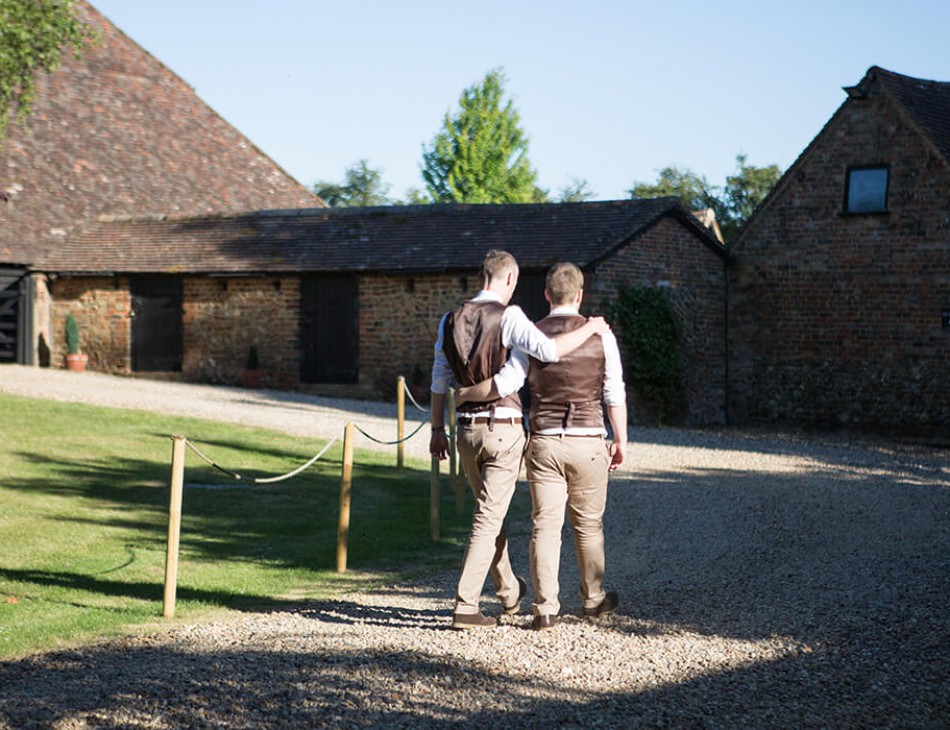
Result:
[101,307]
[669,256]
[224,317]
[399,320]
[835,320]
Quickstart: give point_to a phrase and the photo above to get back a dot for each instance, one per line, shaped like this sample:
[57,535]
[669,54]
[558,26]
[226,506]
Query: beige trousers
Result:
[491,460]
[567,472]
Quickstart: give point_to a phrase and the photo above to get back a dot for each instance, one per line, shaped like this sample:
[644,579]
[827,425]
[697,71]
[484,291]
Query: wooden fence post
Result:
[400,418]
[455,466]
[453,460]
[342,535]
[174,526]
[434,500]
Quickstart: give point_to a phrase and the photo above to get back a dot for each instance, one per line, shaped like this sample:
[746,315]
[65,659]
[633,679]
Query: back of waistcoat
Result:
[471,340]
[568,393]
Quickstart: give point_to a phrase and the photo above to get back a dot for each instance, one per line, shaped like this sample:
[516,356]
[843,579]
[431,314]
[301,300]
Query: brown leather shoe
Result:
[473,621]
[522,589]
[544,623]
[605,608]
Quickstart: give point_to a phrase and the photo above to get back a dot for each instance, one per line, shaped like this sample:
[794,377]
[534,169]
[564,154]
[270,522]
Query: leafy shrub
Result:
[72,335]
[650,336]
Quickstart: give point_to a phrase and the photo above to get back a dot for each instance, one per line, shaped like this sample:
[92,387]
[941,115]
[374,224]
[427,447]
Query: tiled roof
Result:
[117,132]
[927,102]
[388,239]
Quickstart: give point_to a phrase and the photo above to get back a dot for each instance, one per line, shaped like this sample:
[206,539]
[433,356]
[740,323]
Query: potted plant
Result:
[75,360]
[252,375]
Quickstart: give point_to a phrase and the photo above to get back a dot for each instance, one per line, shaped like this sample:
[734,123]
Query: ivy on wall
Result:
[650,337]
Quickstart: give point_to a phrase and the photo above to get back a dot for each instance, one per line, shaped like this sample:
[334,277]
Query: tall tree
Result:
[695,191]
[732,204]
[481,153]
[745,190]
[362,186]
[577,191]
[33,35]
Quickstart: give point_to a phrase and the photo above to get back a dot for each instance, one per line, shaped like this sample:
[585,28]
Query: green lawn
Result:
[84,520]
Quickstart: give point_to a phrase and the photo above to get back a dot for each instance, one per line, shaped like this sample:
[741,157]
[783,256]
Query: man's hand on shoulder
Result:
[599,325]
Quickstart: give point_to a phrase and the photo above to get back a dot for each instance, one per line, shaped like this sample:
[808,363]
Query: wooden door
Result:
[9,315]
[329,331]
[156,324]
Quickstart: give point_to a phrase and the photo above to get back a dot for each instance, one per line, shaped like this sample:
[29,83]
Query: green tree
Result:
[33,36]
[732,204]
[744,192]
[694,191]
[577,191]
[362,186]
[481,153]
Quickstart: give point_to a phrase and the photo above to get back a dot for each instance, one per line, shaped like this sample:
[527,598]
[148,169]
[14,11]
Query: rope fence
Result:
[179,443]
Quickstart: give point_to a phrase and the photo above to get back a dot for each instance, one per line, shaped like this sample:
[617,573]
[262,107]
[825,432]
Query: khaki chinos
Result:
[491,459]
[567,472]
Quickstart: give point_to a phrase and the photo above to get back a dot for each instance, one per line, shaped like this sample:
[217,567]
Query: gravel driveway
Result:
[765,581]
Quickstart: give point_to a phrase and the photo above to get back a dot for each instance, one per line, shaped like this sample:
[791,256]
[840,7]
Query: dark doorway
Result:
[9,314]
[16,317]
[529,294]
[329,332]
[156,324]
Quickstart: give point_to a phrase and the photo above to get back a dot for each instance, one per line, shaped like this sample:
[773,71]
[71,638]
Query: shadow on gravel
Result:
[138,683]
[841,448]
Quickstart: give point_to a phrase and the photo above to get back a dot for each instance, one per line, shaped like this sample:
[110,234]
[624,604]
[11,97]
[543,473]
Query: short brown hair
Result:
[563,282]
[495,263]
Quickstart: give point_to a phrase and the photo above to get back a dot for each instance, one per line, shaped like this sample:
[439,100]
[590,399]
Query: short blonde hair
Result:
[563,282]
[496,263]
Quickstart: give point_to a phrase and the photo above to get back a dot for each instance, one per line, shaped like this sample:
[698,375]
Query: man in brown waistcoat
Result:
[567,459]
[473,345]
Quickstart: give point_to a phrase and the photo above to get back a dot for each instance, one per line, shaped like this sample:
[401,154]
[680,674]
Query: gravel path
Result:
[765,581]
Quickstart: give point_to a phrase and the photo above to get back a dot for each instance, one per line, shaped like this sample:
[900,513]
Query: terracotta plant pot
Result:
[76,362]
[252,378]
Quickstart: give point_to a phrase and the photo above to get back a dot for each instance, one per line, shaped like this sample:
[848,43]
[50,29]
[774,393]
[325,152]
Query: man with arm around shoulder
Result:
[567,459]
[473,345]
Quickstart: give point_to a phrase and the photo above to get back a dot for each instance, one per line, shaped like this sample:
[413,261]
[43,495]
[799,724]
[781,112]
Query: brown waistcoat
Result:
[471,340]
[568,392]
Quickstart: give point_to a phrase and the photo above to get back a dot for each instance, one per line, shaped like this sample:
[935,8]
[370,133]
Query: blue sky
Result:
[608,91]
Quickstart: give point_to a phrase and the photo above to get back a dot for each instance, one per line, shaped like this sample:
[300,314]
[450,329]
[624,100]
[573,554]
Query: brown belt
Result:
[469,420]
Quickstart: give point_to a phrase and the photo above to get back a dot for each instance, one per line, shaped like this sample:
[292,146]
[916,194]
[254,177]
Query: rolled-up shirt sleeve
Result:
[442,376]
[520,333]
[615,392]
[512,376]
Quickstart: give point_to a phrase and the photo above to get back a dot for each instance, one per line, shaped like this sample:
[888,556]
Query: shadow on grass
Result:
[290,526]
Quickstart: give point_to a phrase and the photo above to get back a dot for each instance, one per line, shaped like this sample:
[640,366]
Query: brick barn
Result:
[839,312]
[342,301]
[114,131]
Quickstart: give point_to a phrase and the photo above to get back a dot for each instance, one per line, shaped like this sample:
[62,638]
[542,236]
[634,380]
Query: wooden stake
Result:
[434,501]
[400,418]
[453,461]
[174,526]
[455,466]
[342,535]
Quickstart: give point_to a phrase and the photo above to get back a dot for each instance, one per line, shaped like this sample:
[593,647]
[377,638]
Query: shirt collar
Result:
[487,296]
[563,310]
